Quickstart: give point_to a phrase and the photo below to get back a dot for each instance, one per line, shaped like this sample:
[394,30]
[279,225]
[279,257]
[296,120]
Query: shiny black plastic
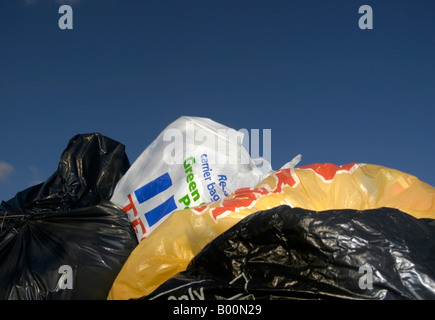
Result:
[63,239]
[292,253]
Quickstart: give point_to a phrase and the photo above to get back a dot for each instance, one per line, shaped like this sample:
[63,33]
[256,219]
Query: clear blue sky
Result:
[304,69]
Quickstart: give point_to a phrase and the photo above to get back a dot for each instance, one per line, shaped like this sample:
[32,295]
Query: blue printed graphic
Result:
[160,211]
[153,188]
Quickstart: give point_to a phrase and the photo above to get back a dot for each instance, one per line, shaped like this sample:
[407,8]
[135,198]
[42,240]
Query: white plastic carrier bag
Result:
[193,161]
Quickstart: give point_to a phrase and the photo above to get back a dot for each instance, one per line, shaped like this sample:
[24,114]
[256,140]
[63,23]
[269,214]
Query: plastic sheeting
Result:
[318,187]
[63,239]
[292,253]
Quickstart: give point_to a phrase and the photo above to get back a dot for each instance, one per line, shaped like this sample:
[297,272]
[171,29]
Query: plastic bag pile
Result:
[195,217]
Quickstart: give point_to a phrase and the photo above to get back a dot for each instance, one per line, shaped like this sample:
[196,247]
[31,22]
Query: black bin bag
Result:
[63,239]
[292,253]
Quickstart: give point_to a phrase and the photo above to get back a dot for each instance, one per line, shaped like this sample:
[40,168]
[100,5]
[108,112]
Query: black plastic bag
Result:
[63,239]
[292,253]
[88,171]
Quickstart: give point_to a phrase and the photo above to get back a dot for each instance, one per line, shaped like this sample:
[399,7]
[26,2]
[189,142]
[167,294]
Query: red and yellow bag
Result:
[169,249]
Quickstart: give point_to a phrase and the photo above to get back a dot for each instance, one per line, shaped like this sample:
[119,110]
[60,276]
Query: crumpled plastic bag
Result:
[293,253]
[318,187]
[63,239]
[193,161]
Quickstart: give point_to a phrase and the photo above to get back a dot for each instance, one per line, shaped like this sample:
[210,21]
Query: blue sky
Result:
[304,69]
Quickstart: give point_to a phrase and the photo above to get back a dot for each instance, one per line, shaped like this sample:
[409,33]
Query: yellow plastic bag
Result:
[169,249]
